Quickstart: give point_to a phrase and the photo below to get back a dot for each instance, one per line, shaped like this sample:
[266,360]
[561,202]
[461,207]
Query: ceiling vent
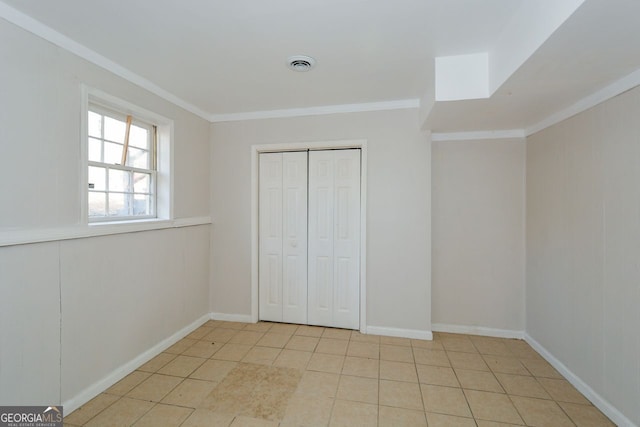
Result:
[301,63]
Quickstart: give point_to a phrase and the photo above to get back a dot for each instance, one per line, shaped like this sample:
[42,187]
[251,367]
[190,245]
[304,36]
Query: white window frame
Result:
[163,157]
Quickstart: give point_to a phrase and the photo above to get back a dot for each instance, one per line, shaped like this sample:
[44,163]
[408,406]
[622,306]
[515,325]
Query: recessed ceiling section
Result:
[479,75]
[462,77]
[528,29]
[572,65]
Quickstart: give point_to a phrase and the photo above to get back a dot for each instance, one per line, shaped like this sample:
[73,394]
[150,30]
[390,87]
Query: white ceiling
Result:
[227,57]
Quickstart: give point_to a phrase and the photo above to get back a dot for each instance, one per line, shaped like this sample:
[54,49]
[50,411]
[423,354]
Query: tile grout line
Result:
[415,368]
[473,417]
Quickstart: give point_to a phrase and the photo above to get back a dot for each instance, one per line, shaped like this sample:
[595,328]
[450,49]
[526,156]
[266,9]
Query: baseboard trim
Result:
[246,318]
[117,374]
[477,330]
[374,330]
[416,334]
[601,403]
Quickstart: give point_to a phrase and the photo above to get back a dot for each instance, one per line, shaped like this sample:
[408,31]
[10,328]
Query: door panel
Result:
[343,297]
[294,247]
[334,238]
[320,238]
[346,245]
[270,237]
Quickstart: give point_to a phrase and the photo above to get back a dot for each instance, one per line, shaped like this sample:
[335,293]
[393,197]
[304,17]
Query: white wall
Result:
[29,325]
[117,303]
[583,247]
[398,211]
[478,235]
[73,311]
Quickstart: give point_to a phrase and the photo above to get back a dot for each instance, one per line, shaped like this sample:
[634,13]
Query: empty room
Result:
[320,213]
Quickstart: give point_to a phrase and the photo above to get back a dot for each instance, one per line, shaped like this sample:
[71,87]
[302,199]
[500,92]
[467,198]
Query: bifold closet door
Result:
[334,238]
[283,237]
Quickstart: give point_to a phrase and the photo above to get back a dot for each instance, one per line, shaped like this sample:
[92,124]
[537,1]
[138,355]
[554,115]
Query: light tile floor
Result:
[270,374]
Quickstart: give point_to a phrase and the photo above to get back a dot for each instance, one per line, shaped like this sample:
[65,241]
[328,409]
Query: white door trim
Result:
[255,151]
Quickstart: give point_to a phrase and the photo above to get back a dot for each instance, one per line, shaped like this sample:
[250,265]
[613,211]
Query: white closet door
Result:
[283,237]
[294,245]
[270,237]
[334,238]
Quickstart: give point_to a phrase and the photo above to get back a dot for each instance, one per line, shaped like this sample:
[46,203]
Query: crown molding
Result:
[478,135]
[317,111]
[49,34]
[614,89]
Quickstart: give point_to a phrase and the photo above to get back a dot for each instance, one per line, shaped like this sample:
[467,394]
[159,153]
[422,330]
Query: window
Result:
[121,166]
[127,154]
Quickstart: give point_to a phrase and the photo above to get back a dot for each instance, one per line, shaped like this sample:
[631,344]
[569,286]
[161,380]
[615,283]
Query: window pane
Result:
[95,124]
[141,182]
[119,180]
[97,178]
[114,129]
[139,137]
[97,204]
[119,204]
[112,153]
[138,158]
[141,205]
[114,193]
[95,150]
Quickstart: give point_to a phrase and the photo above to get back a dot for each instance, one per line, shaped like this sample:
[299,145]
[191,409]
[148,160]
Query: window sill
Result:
[131,222]
[28,236]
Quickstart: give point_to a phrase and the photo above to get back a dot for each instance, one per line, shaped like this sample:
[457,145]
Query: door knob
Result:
[294,243]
